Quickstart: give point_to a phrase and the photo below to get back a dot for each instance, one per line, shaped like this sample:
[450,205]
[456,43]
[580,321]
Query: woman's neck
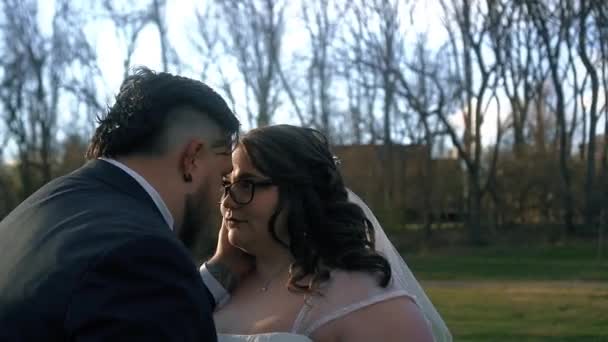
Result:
[270,265]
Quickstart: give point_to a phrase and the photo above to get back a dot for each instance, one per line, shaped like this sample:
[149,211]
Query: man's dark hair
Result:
[147,105]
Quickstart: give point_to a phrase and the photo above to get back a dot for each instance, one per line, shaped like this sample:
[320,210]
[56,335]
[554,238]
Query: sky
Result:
[181,21]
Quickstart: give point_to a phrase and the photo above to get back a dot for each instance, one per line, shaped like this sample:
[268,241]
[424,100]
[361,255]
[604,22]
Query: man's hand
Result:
[229,264]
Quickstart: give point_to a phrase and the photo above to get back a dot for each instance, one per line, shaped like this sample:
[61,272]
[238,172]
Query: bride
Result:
[324,268]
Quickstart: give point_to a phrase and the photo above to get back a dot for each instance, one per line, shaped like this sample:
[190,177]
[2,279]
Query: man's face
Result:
[200,210]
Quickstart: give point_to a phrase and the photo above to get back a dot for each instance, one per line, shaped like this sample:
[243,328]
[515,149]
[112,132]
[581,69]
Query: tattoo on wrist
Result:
[223,275]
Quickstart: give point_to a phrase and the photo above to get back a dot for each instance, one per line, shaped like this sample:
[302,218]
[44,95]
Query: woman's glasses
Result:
[242,191]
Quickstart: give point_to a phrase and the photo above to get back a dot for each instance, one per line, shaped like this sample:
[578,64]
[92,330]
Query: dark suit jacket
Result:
[89,257]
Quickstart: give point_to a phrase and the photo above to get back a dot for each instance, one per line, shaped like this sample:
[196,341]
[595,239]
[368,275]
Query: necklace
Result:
[270,279]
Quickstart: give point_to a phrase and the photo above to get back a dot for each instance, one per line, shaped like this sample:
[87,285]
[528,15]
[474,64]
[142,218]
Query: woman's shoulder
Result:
[394,319]
[354,307]
[344,294]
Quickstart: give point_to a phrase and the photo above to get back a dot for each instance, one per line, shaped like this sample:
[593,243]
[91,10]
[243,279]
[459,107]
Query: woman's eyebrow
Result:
[240,176]
[249,175]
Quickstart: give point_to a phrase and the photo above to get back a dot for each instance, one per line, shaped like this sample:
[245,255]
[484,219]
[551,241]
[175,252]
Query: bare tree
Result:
[37,75]
[553,23]
[472,83]
[377,44]
[383,46]
[362,82]
[601,16]
[128,26]
[157,17]
[585,19]
[321,19]
[518,61]
[428,102]
[6,201]
[255,31]
[206,40]
[130,18]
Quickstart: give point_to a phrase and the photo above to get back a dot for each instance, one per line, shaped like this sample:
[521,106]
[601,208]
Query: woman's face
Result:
[248,205]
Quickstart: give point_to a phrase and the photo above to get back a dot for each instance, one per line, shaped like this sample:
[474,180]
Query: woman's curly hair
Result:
[325,230]
[142,111]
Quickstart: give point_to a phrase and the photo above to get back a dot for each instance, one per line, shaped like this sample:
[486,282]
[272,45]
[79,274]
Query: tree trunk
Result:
[591,208]
[474,220]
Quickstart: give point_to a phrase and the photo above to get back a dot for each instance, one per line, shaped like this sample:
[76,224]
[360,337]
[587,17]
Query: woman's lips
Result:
[232,222]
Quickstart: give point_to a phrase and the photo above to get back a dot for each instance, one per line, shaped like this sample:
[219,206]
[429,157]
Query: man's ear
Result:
[190,159]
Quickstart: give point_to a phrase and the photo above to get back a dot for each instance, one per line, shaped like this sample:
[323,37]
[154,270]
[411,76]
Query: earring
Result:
[187,177]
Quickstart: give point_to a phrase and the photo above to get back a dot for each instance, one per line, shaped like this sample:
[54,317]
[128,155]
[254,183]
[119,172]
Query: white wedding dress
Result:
[343,294]
[270,337]
[347,292]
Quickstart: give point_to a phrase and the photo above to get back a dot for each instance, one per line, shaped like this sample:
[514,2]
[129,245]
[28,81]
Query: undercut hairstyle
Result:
[151,108]
[325,230]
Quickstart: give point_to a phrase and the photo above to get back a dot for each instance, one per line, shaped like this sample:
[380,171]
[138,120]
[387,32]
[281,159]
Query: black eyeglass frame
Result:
[227,187]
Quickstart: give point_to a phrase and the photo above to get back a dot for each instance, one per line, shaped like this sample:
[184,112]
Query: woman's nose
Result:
[227,201]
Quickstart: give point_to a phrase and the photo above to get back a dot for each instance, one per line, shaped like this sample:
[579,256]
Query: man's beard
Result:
[196,217]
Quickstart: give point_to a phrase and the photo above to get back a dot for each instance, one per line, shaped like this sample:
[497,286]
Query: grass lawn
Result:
[572,262]
[522,311]
[518,293]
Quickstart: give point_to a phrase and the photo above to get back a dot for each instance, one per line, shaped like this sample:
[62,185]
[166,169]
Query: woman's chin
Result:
[234,239]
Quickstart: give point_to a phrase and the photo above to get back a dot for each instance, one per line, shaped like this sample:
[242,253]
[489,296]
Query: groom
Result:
[100,254]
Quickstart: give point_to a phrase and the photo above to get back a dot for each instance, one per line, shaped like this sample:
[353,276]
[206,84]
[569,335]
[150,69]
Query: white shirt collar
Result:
[160,204]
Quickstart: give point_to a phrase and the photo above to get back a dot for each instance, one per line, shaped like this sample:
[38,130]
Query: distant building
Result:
[401,182]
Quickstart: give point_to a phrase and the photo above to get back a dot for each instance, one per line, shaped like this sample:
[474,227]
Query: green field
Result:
[569,262]
[518,293]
